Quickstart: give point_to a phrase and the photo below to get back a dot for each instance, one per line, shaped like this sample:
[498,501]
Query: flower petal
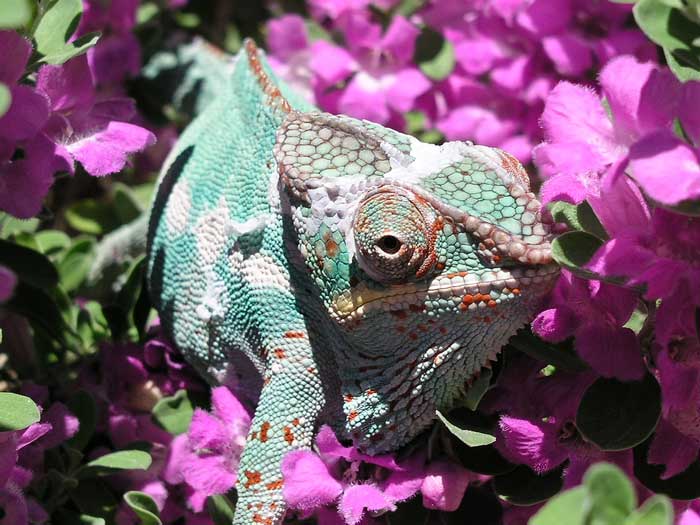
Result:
[8,280]
[612,352]
[672,449]
[286,35]
[358,498]
[67,86]
[531,443]
[408,85]
[444,486]
[106,150]
[15,51]
[307,482]
[27,114]
[331,63]
[570,54]
[666,168]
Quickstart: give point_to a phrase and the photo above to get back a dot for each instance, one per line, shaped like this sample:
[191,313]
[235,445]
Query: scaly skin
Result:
[358,276]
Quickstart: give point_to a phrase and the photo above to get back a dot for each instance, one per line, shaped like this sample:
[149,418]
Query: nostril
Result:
[389,244]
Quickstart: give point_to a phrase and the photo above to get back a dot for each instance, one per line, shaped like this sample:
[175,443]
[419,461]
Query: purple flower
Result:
[594,313]
[583,143]
[289,53]
[207,457]
[93,131]
[315,482]
[8,281]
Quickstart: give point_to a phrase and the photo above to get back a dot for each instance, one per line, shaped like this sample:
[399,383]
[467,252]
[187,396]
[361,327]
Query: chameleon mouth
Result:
[462,288]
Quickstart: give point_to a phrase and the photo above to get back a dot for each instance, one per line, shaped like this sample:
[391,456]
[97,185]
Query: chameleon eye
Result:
[391,237]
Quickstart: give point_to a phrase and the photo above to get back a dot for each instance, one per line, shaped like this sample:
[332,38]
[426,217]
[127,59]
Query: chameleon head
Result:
[427,259]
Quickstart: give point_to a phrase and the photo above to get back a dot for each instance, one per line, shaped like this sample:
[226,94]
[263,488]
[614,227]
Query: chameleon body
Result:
[352,274]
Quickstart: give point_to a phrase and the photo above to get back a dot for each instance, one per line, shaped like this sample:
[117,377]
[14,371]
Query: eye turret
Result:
[391,236]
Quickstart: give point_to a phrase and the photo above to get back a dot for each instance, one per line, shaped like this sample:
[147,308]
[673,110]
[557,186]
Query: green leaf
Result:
[657,510]
[57,25]
[72,49]
[578,217]
[15,13]
[685,486]
[472,438]
[434,54]
[573,250]
[671,29]
[616,416]
[523,486]
[220,509]
[51,242]
[478,389]
[5,99]
[115,462]
[11,226]
[92,217]
[567,507]
[83,407]
[126,203]
[144,507]
[174,413]
[31,267]
[75,264]
[611,494]
[18,412]
[680,68]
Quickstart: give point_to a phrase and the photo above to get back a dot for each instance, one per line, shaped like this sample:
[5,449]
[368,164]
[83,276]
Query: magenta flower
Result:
[207,457]
[93,131]
[594,313]
[583,143]
[313,483]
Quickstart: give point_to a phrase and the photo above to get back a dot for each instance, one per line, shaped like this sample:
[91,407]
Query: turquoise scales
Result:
[355,274]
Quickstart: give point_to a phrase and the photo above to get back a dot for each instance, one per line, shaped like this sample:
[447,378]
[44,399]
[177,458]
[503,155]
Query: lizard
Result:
[351,274]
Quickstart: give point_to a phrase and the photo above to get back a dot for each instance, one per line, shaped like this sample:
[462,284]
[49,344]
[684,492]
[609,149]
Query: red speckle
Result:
[253,476]
[492,304]
[295,421]
[294,335]
[352,415]
[370,391]
[468,299]
[263,431]
[348,398]
[400,314]
[279,353]
[288,435]
[259,519]
[274,485]
[413,336]
[516,291]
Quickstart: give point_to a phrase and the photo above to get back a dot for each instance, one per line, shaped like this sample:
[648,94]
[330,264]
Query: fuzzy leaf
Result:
[470,437]
[567,507]
[15,13]
[144,507]
[611,495]
[174,413]
[657,510]
[117,461]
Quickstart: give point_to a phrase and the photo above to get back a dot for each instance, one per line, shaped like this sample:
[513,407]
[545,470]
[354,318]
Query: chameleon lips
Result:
[489,292]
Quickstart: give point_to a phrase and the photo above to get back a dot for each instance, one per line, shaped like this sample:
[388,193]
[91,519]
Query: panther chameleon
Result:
[351,274]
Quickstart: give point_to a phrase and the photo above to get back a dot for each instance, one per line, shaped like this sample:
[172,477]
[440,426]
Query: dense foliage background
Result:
[592,414]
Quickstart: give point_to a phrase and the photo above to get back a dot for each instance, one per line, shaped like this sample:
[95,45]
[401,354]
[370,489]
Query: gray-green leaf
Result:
[116,461]
[174,413]
[15,13]
[472,438]
[18,412]
[143,505]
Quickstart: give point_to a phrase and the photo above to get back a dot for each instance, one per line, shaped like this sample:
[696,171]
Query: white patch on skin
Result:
[251,225]
[259,270]
[212,304]
[178,209]
[211,230]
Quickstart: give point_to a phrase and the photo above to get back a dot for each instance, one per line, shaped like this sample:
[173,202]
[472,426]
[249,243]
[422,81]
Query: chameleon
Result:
[348,273]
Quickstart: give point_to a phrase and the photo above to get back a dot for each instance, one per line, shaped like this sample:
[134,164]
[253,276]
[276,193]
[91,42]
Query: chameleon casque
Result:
[356,275]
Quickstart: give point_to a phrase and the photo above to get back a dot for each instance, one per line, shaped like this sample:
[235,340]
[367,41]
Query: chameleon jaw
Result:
[466,290]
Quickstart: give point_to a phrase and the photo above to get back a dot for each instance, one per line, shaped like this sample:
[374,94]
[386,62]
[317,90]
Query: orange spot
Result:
[440,266]
[279,353]
[516,291]
[348,398]
[331,247]
[370,391]
[496,258]
[311,370]
[253,436]
[352,415]
[253,476]
[492,304]
[295,421]
[468,299]
[294,335]
[422,328]
[257,518]
[463,307]
[263,431]
[274,485]
[288,435]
